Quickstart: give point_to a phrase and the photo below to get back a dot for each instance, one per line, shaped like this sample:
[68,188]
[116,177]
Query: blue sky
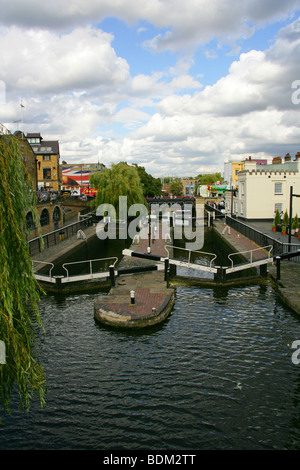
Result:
[178,88]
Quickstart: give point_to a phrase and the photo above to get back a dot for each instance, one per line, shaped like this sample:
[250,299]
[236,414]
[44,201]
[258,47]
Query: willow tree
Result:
[119,180]
[19,292]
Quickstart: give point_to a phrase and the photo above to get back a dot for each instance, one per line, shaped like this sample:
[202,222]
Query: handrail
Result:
[44,262]
[90,263]
[191,251]
[251,253]
[59,229]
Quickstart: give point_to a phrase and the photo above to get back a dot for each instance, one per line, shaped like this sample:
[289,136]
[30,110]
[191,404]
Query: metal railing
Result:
[92,274]
[204,267]
[258,237]
[38,244]
[38,265]
[253,261]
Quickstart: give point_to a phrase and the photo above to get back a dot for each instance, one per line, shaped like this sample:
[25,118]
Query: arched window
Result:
[44,219]
[30,221]
[56,214]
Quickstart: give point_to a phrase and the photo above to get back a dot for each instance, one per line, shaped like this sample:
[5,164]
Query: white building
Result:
[262,189]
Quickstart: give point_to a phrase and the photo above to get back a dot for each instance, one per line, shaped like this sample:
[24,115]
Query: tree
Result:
[210,178]
[286,219]
[119,180]
[151,186]
[19,291]
[176,187]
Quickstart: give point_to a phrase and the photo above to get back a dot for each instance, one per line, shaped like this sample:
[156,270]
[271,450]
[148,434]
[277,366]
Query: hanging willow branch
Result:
[19,291]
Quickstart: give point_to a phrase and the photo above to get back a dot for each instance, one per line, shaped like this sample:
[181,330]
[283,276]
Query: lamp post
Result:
[291,211]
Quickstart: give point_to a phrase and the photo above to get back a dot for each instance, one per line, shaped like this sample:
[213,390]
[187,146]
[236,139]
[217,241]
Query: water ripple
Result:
[217,375]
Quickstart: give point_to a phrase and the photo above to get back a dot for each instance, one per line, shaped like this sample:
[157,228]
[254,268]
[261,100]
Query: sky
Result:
[176,87]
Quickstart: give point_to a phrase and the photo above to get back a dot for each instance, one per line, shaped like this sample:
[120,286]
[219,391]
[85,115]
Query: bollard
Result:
[112,275]
[278,267]
[58,282]
[166,269]
[132,294]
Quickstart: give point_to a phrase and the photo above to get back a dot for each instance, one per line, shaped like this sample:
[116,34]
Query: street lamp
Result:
[291,211]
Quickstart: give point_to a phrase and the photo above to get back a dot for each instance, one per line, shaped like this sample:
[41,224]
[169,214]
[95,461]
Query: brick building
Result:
[47,155]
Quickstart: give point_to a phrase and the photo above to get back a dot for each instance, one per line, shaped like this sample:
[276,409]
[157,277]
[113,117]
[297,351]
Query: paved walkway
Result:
[289,284]
[239,242]
[266,228]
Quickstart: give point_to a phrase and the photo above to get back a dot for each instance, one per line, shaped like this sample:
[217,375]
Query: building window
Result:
[278,188]
[47,173]
[278,207]
[44,219]
[56,214]
[46,158]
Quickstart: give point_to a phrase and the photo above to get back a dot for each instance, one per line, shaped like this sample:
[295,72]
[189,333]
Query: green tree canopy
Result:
[119,180]
[176,187]
[209,178]
[151,186]
[19,292]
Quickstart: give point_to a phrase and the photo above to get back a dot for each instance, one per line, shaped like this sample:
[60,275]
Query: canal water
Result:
[217,374]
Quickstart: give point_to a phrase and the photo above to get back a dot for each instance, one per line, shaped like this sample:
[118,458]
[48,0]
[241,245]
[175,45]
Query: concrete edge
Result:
[110,318]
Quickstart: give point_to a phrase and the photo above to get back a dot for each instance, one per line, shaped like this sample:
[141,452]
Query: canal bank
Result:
[288,286]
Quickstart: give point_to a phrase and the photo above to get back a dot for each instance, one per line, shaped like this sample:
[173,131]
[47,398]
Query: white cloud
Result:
[45,62]
[187,23]
[77,89]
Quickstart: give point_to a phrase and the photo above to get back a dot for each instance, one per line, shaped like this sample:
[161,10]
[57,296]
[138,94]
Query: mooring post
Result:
[166,269]
[112,275]
[278,267]
[220,275]
[263,270]
[132,296]
[58,282]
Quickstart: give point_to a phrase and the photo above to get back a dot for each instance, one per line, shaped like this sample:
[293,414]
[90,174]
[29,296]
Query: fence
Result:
[55,237]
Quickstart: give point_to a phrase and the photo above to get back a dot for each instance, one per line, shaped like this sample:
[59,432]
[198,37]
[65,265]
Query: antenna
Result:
[22,106]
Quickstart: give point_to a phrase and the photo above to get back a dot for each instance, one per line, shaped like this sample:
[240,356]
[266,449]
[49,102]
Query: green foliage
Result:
[209,178]
[295,223]
[277,219]
[176,187]
[19,292]
[119,180]
[286,219]
[151,186]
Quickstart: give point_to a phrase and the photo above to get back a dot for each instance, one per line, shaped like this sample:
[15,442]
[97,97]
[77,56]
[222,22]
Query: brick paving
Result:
[151,293]
[288,286]
[240,243]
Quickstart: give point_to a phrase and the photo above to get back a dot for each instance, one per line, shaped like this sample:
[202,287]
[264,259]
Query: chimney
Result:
[287,158]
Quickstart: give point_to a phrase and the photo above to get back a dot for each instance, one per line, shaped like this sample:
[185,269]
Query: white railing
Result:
[43,277]
[252,262]
[189,264]
[92,274]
